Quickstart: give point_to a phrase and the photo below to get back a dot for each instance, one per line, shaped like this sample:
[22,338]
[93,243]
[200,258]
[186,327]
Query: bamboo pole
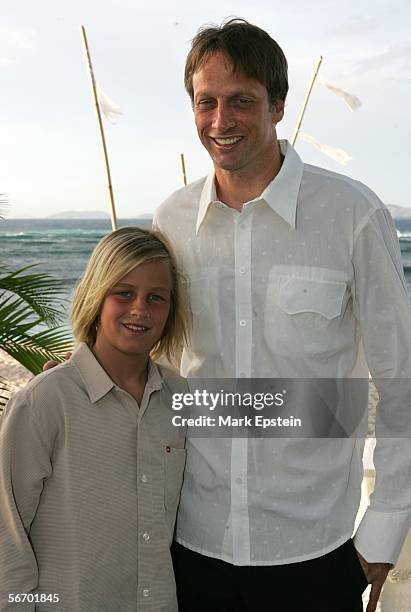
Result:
[183,169]
[101,128]
[307,97]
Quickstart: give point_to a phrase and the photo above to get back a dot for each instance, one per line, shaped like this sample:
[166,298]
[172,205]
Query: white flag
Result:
[352,101]
[110,109]
[339,155]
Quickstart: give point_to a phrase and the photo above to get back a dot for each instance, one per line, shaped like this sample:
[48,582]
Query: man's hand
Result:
[376,574]
[51,364]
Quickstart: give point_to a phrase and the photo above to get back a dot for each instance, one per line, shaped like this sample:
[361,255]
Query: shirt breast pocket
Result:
[303,313]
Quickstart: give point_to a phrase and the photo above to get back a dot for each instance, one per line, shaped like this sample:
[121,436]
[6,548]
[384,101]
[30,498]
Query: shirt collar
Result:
[98,383]
[280,195]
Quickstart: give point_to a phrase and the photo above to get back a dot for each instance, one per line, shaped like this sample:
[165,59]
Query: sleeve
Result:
[383,310]
[24,464]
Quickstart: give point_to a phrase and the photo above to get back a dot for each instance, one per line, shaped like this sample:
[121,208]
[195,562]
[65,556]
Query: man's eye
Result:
[244,101]
[204,103]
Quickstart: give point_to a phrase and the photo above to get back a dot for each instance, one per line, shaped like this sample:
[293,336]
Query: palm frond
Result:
[4,393]
[31,310]
[38,290]
[32,351]
[4,205]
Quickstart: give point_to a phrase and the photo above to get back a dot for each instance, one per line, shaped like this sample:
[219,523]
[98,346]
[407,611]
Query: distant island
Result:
[399,212]
[80,214]
[91,214]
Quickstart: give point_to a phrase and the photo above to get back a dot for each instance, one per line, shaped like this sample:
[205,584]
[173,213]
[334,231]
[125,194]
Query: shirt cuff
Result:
[381,535]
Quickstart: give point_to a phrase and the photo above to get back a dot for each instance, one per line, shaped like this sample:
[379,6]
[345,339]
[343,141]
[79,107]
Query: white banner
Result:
[110,109]
[351,101]
[339,155]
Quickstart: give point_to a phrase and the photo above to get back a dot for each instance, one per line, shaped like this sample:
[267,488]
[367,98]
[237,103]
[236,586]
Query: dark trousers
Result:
[331,583]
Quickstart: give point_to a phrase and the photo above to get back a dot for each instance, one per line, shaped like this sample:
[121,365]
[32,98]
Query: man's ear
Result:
[278,111]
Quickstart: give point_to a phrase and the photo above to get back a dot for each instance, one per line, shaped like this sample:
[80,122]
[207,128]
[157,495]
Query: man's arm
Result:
[382,307]
[24,463]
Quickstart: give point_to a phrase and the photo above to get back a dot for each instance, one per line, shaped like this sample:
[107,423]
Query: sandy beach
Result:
[14,373]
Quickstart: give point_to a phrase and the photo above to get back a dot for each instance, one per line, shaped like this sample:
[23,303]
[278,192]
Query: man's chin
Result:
[227,164]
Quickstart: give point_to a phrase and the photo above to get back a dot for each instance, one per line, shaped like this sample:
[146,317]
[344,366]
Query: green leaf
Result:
[32,306]
[4,388]
[40,291]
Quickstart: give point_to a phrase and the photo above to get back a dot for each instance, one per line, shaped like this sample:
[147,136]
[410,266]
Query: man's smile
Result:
[227,141]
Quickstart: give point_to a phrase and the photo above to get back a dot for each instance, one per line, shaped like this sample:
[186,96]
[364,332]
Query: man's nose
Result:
[223,117]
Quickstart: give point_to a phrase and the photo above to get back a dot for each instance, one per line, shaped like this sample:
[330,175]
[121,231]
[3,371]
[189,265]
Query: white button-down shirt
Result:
[306,281]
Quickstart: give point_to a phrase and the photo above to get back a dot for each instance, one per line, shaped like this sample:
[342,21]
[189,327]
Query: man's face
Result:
[233,116]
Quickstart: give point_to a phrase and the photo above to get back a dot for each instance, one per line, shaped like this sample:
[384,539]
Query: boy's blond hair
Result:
[114,257]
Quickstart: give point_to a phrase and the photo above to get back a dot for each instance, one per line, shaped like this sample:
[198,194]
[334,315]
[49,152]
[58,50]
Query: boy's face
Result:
[135,310]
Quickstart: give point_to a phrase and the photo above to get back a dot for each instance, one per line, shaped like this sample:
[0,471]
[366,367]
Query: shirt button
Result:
[242,270]
[144,478]
[239,480]
[146,592]
[146,537]
[243,323]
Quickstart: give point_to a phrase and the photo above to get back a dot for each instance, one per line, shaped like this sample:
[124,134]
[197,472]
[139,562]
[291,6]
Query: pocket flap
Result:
[297,295]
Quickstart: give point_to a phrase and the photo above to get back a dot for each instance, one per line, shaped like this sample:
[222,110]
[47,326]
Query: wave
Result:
[13,234]
[405,251]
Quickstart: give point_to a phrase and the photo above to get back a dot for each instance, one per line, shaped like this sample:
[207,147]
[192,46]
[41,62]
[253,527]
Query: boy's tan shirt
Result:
[89,488]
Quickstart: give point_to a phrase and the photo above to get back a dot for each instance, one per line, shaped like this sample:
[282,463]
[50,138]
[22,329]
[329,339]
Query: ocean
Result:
[62,247]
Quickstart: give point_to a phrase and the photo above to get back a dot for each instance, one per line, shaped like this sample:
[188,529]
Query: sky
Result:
[50,153]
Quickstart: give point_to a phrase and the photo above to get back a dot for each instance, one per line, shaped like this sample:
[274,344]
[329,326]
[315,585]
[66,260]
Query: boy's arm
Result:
[24,464]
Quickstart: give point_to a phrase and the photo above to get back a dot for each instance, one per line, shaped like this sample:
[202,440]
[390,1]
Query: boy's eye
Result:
[154,297]
[125,294]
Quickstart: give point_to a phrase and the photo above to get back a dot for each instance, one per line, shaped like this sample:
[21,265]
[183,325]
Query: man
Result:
[294,272]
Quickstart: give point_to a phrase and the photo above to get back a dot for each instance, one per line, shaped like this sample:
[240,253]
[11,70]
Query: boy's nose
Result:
[139,308]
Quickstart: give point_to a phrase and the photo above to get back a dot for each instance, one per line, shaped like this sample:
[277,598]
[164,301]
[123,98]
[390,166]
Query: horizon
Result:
[51,154]
[106,217]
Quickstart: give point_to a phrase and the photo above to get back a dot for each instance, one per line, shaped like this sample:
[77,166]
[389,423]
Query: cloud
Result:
[356,25]
[22,39]
[394,62]
[16,42]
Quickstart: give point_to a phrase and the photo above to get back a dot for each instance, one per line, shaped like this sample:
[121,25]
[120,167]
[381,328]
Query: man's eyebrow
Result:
[203,94]
[250,93]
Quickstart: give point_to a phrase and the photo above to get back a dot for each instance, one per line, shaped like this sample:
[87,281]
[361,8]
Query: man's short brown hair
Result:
[250,50]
